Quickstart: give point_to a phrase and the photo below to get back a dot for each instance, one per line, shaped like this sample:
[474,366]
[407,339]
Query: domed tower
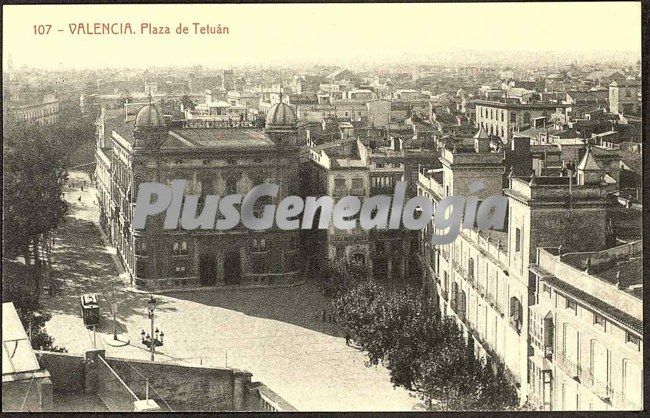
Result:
[282,124]
[150,129]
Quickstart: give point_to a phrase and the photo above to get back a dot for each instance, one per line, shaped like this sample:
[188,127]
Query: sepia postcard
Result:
[322,207]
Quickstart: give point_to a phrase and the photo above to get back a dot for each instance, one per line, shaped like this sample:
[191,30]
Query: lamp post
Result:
[114,309]
[155,339]
[35,317]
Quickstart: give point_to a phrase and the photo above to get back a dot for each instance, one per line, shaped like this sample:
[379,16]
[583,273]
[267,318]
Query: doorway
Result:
[232,268]
[207,270]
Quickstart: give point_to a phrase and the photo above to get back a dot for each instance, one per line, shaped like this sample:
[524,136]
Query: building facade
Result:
[586,329]
[482,278]
[624,97]
[214,161]
[506,119]
[42,114]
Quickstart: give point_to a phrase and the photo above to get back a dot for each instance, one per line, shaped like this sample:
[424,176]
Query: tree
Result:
[187,102]
[34,175]
[16,289]
[423,352]
[75,134]
[340,275]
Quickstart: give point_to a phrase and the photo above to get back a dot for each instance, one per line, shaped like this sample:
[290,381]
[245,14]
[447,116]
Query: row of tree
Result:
[423,351]
[35,170]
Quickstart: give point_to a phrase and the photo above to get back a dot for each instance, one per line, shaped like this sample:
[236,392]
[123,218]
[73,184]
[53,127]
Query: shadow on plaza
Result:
[300,305]
[82,264]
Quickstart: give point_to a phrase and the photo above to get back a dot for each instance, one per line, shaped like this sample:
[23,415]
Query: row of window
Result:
[340,183]
[598,319]
[180,247]
[516,310]
[496,114]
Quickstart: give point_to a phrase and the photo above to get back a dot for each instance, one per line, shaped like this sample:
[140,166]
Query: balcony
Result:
[567,366]
[481,289]
[548,353]
[358,191]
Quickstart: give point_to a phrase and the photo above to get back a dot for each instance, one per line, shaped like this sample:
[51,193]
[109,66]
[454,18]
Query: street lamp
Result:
[35,317]
[155,339]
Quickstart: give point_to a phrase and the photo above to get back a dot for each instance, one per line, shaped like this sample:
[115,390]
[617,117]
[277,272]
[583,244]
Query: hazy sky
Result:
[328,33]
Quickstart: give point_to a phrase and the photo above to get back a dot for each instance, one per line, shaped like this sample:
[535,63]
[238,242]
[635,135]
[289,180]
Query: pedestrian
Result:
[347,339]
[79,198]
[82,187]
[324,315]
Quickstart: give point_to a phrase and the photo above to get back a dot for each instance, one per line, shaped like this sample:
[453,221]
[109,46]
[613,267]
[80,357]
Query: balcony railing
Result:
[548,352]
[603,390]
[480,288]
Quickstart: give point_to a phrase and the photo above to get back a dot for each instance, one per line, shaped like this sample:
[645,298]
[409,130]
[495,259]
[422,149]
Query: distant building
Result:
[227,80]
[216,111]
[379,112]
[581,102]
[624,97]
[42,114]
[504,119]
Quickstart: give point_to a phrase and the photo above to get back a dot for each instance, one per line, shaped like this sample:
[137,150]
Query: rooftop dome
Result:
[281,115]
[149,117]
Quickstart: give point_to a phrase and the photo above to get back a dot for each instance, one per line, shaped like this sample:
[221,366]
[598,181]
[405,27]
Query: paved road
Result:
[277,334]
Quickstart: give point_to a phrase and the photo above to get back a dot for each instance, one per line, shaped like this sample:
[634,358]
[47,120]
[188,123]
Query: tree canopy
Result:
[423,351]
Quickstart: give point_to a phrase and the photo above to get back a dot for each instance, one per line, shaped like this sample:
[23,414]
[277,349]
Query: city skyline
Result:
[331,34]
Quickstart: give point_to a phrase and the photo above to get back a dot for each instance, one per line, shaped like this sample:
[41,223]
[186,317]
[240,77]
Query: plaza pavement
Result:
[275,333]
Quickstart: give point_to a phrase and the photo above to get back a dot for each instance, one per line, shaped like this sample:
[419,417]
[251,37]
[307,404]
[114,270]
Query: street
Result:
[275,333]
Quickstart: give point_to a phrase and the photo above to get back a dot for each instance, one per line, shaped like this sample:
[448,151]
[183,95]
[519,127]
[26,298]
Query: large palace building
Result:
[218,160]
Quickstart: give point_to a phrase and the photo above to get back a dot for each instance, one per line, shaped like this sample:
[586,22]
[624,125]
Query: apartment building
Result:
[338,169]
[505,119]
[482,278]
[586,329]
